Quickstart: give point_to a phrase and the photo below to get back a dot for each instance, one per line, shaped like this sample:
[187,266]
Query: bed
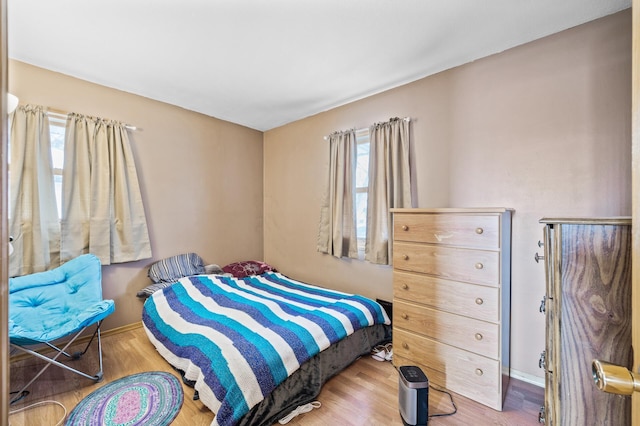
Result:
[257,347]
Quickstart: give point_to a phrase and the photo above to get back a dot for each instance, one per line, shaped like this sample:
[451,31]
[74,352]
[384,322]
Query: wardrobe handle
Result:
[479,301]
[405,287]
[405,316]
[405,228]
[405,257]
[479,371]
[478,337]
[479,231]
[613,378]
[543,304]
[538,258]
[479,265]
[405,345]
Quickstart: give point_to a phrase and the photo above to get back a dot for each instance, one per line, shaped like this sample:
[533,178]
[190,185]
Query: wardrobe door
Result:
[588,316]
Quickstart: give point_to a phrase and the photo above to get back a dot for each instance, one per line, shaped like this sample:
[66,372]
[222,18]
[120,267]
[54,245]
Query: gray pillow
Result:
[173,268]
[167,271]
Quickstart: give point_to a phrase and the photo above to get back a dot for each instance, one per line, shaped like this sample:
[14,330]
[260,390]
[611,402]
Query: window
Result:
[362,185]
[56,133]
[56,130]
[380,157]
[43,180]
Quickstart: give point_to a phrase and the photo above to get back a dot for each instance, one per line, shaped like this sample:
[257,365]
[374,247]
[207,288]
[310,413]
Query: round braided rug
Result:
[149,399]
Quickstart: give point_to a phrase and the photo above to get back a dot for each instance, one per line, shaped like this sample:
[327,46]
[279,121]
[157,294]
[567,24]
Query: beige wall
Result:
[201,178]
[543,128]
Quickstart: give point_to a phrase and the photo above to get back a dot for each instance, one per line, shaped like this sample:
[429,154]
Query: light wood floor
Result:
[366,393]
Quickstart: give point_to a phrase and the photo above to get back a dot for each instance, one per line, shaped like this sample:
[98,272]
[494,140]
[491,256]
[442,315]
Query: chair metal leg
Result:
[53,361]
[76,355]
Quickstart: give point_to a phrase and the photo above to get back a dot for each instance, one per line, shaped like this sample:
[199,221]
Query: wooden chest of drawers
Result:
[451,294]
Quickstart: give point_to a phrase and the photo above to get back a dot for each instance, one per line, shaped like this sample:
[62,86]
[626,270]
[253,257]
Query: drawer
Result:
[465,230]
[477,336]
[489,397]
[473,266]
[463,372]
[471,300]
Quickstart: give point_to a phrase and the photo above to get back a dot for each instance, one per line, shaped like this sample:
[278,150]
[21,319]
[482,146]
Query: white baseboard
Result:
[529,378]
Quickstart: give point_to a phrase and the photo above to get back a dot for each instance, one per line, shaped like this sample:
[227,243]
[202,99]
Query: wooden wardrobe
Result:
[587,308]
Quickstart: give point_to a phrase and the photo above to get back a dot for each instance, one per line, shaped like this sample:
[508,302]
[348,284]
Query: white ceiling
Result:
[265,63]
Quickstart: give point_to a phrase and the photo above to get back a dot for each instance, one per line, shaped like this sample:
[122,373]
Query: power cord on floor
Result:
[37,404]
[300,410]
[455,409]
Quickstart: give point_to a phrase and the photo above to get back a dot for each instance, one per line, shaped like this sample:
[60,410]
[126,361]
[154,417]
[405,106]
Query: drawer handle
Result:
[479,231]
[405,316]
[405,287]
[478,337]
[479,371]
[479,301]
[405,228]
[479,265]
[405,345]
[405,256]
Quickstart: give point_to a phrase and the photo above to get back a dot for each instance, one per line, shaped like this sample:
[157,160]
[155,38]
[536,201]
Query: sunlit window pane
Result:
[361,215]
[362,166]
[362,185]
[56,132]
[57,146]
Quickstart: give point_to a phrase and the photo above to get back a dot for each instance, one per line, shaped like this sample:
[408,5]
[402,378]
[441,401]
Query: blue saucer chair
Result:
[57,306]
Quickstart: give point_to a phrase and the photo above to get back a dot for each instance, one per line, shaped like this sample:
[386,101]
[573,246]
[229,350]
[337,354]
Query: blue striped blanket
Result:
[237,339]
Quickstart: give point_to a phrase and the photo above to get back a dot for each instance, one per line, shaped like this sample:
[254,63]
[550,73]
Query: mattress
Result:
[239,339]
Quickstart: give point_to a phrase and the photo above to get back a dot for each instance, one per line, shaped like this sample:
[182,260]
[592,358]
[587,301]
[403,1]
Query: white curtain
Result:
[33,213]
[337,233]
[389,185]
[102,210]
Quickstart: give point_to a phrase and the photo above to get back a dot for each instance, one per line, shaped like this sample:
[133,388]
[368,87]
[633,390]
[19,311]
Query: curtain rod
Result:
[326,138]
[63,116]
